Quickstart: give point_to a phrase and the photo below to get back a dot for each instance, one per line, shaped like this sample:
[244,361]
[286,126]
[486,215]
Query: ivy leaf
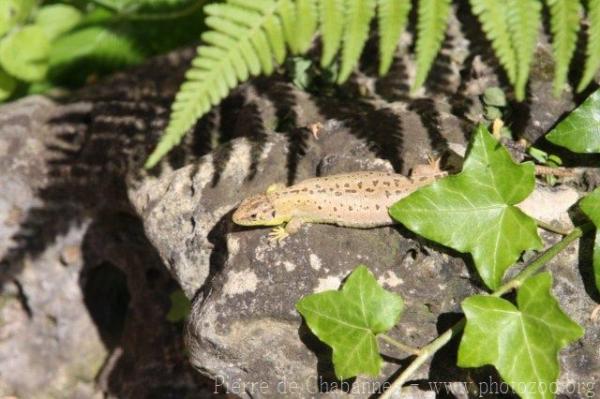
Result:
[24,54]
[57,19]
[475,210]
[580,131]
[349,320]
[590,205]
[521,341]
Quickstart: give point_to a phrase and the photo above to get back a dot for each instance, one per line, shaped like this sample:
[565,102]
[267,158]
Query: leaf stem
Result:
[541,260]
[549,227]
[425,352]
[431,348]
[399,345]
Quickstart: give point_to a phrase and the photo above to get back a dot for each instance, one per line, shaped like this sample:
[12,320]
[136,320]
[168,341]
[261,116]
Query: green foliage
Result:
[521,341]
[564,24]
[590,205]
[349,321]
[7,85]
[24,53]
[105,45]
[512,27]
[475,210]
[180,307]
[433,18]
[592,63]
[580,130]
[306,23]
[392,17]
[332,26]
[243,40]
[356,31]
[57,19]
[65,44]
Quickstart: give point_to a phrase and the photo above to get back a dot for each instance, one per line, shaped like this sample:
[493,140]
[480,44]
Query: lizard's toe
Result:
[278,234]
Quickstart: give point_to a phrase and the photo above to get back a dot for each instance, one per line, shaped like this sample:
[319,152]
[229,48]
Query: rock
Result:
[244,332]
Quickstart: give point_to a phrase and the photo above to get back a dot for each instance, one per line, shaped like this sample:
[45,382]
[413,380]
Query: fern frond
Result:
[332,25]
[565,17]
[392,17]
[246,38]
[359,14]
[592,62]
[431,27]
[306,23]
[524,19]
[492,15]
[287,13]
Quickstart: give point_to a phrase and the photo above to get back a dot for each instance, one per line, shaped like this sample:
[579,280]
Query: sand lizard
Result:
[358,199]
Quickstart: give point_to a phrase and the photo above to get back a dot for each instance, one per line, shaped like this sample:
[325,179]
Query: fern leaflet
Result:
[592,62]
[244,38]
[431,26]
[306,23]
[392,17]
[332,26]
[359,14]
[492,15]
[524,18]
[564,24]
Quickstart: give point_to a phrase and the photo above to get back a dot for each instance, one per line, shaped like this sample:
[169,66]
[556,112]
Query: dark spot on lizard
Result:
[387,194]
[320,207]
[346,185]
[375,182]
[334,209]
[377,207]
[337,193]
[423,178]
[350,191]
[359,185]
[386,183]
[370,190]
[349,208]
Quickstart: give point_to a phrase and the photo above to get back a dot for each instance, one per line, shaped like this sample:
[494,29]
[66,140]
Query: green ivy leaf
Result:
[590,205]
[474,211]
[580,131]
[349,320]
[521,341]
[57,19]
[24,54]
[7,85]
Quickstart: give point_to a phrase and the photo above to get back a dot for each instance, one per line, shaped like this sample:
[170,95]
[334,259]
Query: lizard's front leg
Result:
[280,233]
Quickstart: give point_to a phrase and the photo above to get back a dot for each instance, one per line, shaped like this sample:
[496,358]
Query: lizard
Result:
[358,200]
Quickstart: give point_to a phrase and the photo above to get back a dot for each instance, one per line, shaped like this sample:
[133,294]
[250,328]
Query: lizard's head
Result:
[257,210]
